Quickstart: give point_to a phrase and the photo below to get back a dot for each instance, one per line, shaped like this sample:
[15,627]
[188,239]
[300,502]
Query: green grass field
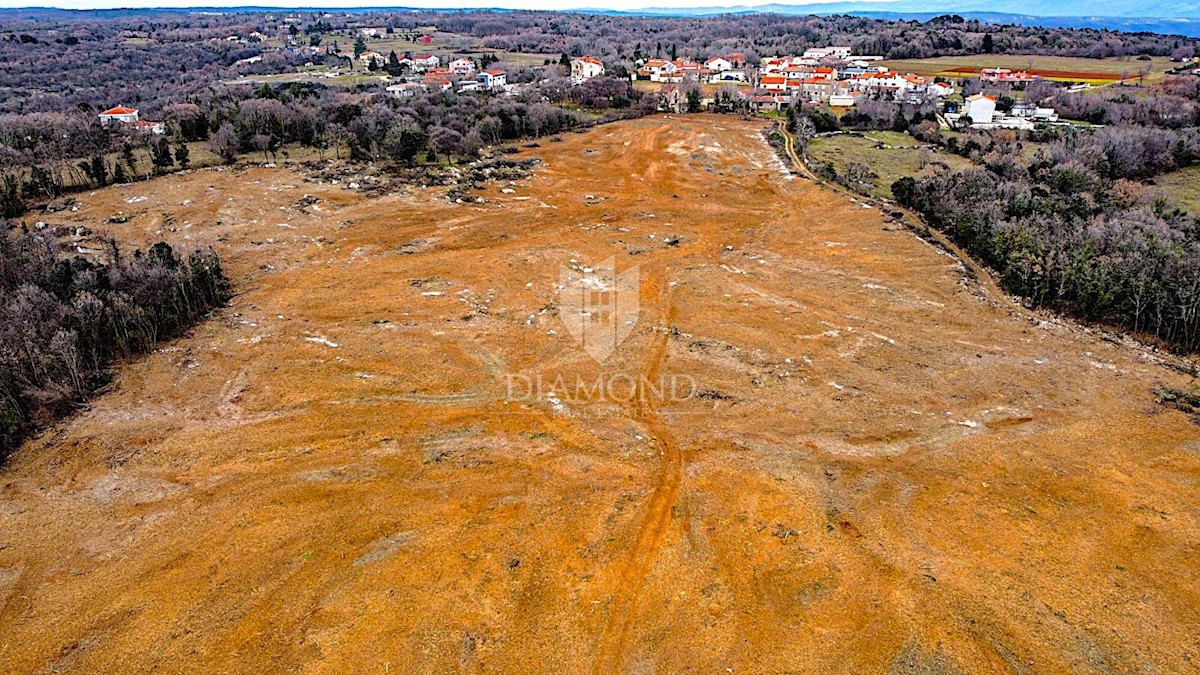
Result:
[1061,68]
[902,157]
[1182,188]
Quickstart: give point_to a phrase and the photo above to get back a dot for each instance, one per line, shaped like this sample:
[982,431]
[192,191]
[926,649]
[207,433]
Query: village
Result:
[836,77]
[832,76]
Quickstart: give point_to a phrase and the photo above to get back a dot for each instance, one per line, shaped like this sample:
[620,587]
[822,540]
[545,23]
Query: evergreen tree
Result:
[128,158]
[181,153]
[160,154]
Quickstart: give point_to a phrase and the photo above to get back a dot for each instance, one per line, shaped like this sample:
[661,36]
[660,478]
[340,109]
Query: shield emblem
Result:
[598,306]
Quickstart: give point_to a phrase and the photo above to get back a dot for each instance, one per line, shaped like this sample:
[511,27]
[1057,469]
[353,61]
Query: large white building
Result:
[980,108]
[492,79]
[585,68]
[823,52]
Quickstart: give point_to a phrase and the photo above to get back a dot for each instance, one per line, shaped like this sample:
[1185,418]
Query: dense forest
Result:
[65,319]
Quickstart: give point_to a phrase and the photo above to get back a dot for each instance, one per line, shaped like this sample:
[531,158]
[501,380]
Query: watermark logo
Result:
[598,306]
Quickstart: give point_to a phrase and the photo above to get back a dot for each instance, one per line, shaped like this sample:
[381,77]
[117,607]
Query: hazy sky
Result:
[438,4]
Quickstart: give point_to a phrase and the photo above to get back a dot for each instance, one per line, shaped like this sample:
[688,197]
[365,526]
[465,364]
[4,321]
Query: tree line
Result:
[44,155]
[65,319]
[1073,229]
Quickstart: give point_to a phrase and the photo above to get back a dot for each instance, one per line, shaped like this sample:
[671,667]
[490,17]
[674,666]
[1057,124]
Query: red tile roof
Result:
[119,110]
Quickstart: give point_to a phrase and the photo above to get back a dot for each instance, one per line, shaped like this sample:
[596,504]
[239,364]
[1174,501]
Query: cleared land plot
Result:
[1060,68]
[883,469]
[888,154]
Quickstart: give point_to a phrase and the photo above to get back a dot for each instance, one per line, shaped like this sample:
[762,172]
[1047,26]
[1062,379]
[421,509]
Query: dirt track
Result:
[883,470]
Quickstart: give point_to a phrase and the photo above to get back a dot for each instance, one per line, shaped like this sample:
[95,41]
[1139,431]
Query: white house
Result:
[149,127]
[426,61]
[404,89]
[773,83]
[718,64]
[980,108]
[463,66]
[585,68]
[824,52]
[941,89]
[492,79]
[727,76]
[660,70]
[119,114]
[129,116]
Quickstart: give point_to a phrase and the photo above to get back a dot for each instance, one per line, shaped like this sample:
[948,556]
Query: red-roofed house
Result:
[426,61]
[585,68]
[659,70]
[151,127]
[773,83]
[123,115]
[463,66]
[492,79]
[119,114]
[719,64]
[980,108]
[1005,75]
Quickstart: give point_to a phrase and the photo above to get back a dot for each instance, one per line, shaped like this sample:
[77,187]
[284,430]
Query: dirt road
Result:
[352,468]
